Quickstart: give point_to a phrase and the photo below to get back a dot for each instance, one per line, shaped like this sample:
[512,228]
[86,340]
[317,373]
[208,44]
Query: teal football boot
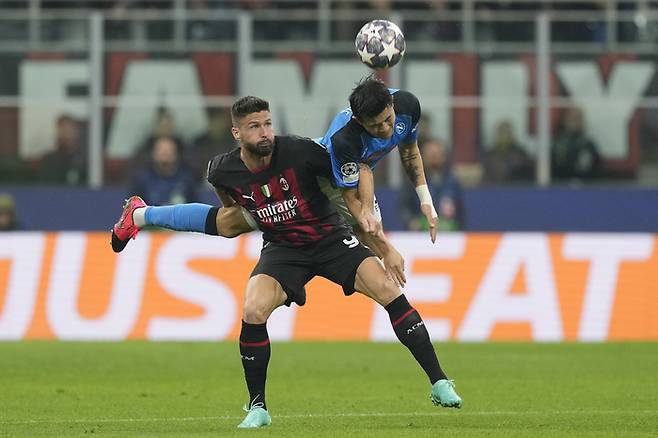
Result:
[256,417]
[443,393]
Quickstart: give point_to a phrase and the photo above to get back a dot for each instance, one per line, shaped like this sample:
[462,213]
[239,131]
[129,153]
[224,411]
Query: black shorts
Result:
[336,258]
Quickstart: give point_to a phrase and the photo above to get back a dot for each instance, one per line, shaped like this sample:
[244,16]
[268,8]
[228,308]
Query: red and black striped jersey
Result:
[284,198]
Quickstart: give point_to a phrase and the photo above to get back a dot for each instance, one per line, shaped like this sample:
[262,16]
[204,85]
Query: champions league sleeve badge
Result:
[350,172]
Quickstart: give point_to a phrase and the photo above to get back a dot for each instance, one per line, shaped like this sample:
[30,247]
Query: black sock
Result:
[211,222]
[411,331]
[255,354]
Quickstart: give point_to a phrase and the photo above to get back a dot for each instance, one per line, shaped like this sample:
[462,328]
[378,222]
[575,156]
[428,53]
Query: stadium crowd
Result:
[168,168]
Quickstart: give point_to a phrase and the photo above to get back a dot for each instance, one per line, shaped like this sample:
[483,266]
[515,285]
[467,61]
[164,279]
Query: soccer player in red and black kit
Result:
[274,178]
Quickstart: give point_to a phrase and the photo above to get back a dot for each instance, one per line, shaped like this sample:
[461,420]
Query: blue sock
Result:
[180,217]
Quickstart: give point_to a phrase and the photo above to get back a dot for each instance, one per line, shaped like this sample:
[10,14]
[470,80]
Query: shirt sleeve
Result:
[345,157]
[408,104]
[318,159]
[213,174]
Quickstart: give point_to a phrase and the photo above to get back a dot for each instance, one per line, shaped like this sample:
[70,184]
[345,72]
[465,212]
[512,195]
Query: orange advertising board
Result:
[467,287]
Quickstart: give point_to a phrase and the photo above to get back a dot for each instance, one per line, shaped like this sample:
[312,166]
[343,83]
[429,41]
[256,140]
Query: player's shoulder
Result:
[296,145]
[405,102]
[349,136]
[223,163]
[293,141]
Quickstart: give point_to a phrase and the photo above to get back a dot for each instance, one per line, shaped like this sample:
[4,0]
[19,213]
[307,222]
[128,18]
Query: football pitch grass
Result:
[141,389]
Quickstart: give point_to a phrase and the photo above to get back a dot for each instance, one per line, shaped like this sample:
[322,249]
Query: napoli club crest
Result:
[400,127]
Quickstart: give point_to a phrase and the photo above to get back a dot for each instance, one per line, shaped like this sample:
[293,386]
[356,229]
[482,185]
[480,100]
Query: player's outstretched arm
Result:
[378,242]
[232,220]
[413,166]
[384,249]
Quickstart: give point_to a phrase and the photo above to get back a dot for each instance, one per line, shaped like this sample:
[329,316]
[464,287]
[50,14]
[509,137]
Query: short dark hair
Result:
[248,105]
[369,98]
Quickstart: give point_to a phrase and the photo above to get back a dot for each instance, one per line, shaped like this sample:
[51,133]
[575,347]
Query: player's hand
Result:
[432,219]
[369,223]
[394,265]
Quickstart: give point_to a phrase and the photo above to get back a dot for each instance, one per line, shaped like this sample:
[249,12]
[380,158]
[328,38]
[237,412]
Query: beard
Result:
[263,148]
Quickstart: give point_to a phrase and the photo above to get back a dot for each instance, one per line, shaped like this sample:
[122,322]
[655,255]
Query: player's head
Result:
[252,125]
[372,107]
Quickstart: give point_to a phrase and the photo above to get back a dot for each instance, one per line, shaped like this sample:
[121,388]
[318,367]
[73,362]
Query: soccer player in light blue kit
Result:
[378,120]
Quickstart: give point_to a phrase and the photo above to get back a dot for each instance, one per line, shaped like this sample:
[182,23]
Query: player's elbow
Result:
[226,226]
[230,222]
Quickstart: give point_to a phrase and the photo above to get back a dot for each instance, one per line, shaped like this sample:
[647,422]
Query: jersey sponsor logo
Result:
[250,196]
[265,188]
[350,172]
[284,184]
[351,242]
[278,211]
[400,127]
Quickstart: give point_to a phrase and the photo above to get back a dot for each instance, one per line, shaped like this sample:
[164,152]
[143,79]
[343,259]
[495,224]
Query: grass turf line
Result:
[143,389]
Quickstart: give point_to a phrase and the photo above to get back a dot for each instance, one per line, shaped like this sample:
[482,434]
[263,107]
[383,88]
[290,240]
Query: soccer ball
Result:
[380,44]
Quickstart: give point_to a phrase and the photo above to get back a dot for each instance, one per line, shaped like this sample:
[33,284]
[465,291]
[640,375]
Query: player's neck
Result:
[253,161]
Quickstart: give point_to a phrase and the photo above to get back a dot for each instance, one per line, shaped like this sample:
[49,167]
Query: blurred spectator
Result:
[499,29]
[591,28]
[506,161]
[574,155]
[424,128]
[163,126]
[201,26]
[216,140]
[166,180]
[117,25]
[438,28]
[8,220]
[445,189]
[67,162]
[342,28]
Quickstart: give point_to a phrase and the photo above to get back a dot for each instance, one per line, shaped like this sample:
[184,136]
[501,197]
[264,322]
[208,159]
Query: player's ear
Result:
[236,133]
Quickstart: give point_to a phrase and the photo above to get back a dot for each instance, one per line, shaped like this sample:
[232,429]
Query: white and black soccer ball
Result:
[380,44]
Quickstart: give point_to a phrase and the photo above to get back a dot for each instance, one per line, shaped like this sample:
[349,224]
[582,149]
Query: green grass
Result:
[144,389]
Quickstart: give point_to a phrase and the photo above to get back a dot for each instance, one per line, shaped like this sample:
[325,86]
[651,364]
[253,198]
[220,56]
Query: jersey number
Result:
[351,242]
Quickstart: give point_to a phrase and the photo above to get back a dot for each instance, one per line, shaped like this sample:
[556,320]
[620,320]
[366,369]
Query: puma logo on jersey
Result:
[249,197]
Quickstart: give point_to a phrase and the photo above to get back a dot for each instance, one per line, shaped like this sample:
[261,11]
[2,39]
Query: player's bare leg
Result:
[263,295]
[409,328]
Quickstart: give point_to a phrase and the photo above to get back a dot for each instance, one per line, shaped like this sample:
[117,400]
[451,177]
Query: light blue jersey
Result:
[349,143]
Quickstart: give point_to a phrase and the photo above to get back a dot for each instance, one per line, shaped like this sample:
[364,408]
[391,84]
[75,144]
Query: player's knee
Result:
[388,292]
[254,313]
[383,290]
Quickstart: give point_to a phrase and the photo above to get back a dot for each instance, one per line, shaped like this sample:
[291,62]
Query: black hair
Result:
[248,105]
[369,98]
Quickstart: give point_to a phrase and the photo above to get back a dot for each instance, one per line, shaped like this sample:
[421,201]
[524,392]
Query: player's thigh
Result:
[338,258]
[371,281]
[233,221]
[290,267]
[263,295]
